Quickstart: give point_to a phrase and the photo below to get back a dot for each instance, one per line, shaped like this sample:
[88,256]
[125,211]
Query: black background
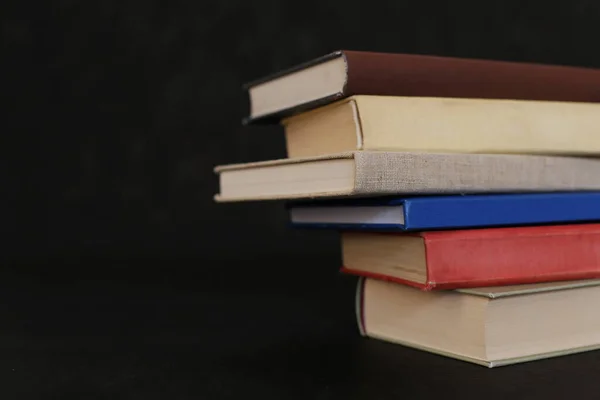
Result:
[121,276]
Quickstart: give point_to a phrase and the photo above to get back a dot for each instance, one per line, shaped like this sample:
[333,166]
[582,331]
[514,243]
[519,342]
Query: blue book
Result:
[448,212]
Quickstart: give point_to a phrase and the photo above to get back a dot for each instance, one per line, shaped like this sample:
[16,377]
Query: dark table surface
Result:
[156,330]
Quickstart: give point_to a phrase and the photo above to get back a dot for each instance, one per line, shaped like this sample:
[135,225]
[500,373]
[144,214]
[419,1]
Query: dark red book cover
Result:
[426,75]
[390,74]
[506,256]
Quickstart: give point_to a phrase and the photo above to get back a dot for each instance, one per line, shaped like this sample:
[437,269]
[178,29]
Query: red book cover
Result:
[505,256]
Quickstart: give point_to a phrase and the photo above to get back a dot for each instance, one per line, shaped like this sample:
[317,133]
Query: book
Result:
[420,213]
[492,327]
[435,124]
[365,173]
[452,259]
[345,73]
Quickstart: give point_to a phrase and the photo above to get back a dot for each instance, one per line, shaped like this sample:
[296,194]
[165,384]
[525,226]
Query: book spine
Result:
[513,259]
[359,306]
[500,210]
[429,173]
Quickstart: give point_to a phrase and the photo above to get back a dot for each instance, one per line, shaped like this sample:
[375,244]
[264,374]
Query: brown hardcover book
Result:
[346,73]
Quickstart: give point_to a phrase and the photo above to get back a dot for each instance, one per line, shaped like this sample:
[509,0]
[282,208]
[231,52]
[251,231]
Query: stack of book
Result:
[465,191]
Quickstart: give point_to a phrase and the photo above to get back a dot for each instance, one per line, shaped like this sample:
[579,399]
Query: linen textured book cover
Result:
[435,124]
[487,326]
[345,73]
[475,257]
[366,173]
[446,212]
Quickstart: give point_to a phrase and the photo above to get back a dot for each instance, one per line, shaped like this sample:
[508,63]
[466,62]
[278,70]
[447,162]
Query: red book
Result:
[476,257]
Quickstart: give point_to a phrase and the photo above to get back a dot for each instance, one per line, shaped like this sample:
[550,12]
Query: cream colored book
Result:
[366,173]
[430,124]
[492,326]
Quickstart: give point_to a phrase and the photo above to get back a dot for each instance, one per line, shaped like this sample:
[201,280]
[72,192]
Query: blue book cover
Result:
[448,212]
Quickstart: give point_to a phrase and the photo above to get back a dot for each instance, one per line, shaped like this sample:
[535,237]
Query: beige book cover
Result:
[492,326]
[367,173]
[433,124]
